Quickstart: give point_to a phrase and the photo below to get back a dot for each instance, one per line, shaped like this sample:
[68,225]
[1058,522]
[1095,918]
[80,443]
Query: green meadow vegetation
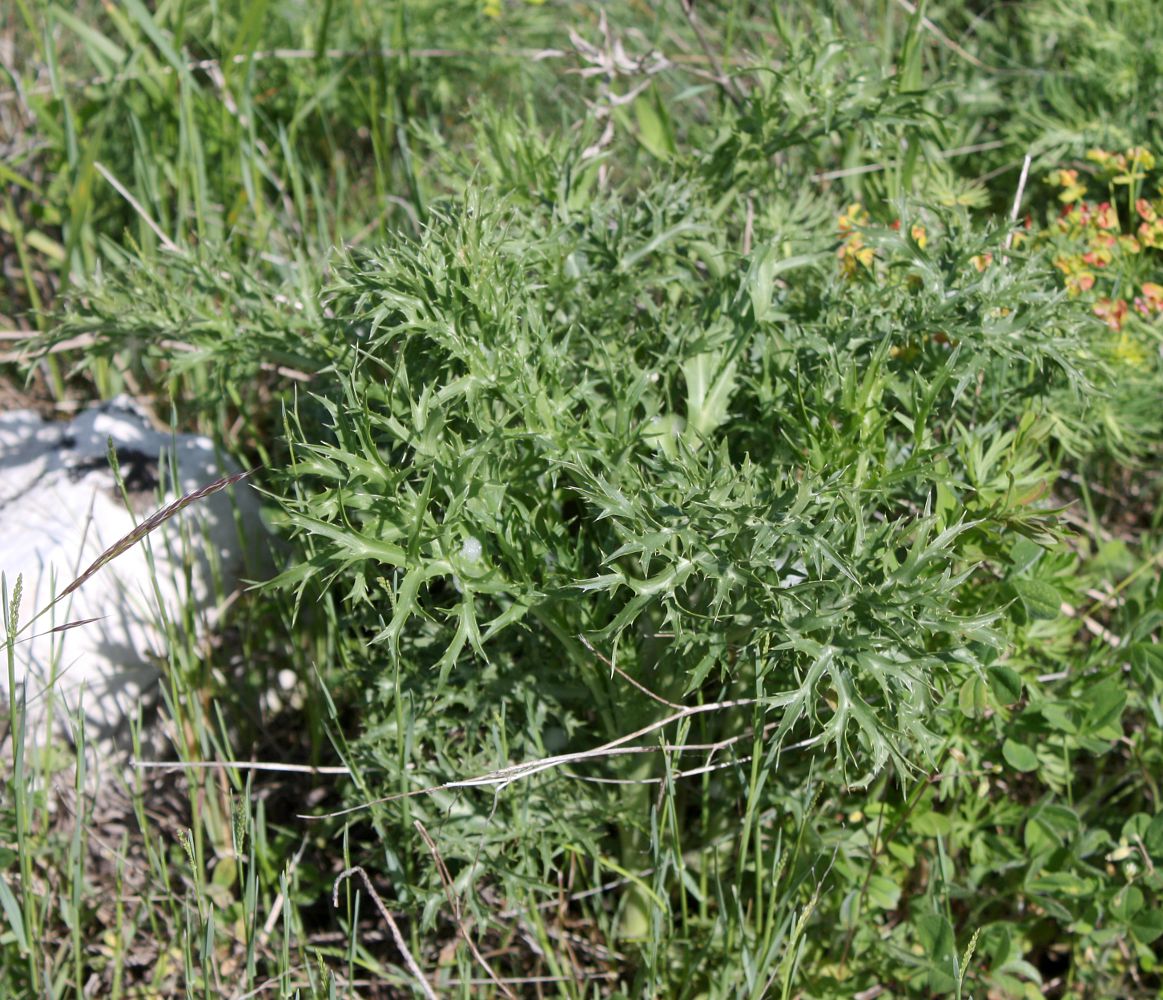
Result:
[712,456]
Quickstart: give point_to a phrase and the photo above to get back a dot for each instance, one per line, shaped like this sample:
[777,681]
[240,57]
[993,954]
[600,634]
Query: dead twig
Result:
[626,677]
[413,967]
[505,776]
[137,206]
[726,83]
[610,60]
[872,168]
[454,904]
[1018,199]
[238,765]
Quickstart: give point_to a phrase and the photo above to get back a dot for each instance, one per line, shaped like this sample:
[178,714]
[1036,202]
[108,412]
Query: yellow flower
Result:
[1068,180]
[1134,166]
[1151,234]
[854,254]
[853,217]
[1130,352]
[1109,162]
[1107,216]
[1141,158]
[920,237]
[1083,281]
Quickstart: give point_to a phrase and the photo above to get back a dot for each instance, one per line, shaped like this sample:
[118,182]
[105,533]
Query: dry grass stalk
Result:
[155,520]
[413,967]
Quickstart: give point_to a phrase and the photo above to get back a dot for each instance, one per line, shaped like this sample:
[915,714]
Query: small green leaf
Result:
[1057,884]
[1126,903]
[1149,657]
[1005,684]
[1040,599]
[1147,924]
[883,892]
[1050,826]
[936,937]
[1019,756]
[1024,555]
[654,128]
[904,853]
[1061,716]
[972,698]
[1105,702]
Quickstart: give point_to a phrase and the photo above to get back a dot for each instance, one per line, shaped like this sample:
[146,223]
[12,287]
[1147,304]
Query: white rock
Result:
[59,511]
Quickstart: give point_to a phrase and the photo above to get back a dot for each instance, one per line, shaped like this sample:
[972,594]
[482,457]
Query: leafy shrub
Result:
[762,478]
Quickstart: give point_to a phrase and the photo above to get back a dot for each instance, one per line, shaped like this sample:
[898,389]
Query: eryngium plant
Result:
[733,476]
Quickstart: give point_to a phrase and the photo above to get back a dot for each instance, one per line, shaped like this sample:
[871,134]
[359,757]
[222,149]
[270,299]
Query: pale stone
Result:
[60,509]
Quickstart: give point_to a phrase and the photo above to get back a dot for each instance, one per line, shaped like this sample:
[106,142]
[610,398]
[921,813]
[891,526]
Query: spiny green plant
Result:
[682,549]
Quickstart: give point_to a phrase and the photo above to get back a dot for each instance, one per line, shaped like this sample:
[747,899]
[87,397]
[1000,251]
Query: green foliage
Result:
[717,547]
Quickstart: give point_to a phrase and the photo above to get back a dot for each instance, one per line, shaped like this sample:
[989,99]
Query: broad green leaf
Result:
[1005,684]
[930,824]
[1104,703]
[936,938]
[972,698]
[883,892]
[1147,925]
[1136,826]
[710,383]
[761,282]
[1019,756]
[1040,599]
[1153,838]
[654,128]
[1126,903]
[766,266]
[13,912]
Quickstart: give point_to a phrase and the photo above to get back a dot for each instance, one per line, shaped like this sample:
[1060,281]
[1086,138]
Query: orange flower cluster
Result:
[854,254]
[1105,249]
[1101,252]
